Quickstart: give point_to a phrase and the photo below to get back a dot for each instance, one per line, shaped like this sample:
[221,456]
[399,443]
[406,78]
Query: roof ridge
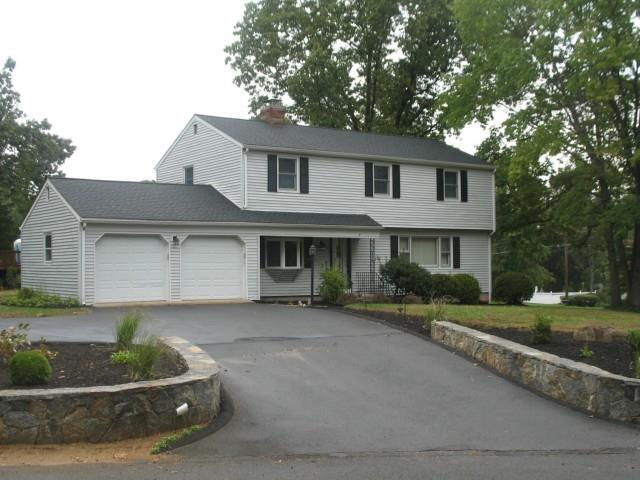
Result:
[138,182]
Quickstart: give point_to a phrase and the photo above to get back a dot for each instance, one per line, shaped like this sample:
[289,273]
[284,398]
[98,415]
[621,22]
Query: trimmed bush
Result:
[334,284]
[407,277]
[513,288]
[30,367]
[127,330]
[583,300]
[467,288]
[30,298]
[541,330]
[442,285]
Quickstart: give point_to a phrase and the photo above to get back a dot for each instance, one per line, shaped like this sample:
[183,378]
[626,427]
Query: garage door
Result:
[131,268]
[211,268]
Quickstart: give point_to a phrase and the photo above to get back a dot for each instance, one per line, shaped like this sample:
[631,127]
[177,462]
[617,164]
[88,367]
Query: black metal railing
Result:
[371,283]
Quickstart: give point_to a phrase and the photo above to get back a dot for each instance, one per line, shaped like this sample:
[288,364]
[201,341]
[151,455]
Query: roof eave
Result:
[363,156]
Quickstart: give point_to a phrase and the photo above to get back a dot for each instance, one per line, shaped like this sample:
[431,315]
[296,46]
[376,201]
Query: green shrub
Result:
[541,330]
[30,367]
[127,330]
[143,357]
[27,297]
[406,277]
[586,352]
[442,285]
[121,357]
[12,278]
[334,284]
[467,289]
[582,300]
[513,288]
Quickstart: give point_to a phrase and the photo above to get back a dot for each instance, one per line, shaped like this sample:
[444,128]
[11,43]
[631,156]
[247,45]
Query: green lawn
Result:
[23,312]
[505,316]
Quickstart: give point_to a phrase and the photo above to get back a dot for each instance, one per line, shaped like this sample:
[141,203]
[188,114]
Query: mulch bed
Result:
[615,357]
[89,364]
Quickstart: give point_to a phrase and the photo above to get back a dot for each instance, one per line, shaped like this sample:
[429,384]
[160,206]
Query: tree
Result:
[568,74]
[368,65]
[28,153]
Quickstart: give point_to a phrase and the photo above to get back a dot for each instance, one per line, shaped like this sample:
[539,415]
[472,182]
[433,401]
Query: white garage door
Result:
[212,268]
[131,268]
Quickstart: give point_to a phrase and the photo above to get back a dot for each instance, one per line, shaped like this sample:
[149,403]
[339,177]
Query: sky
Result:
[122,78]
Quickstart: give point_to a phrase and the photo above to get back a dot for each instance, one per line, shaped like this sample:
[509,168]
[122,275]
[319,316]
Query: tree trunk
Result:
[633,294]
[614,276]
[623,265]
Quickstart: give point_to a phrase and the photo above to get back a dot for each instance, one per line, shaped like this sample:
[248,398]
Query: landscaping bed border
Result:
[116,412]
[577,384]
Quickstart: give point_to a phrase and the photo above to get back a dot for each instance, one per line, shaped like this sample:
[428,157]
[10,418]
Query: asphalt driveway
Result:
[321,382]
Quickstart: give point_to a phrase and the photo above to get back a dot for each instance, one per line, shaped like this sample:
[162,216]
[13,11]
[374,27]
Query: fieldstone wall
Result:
[588,388]
[110,413]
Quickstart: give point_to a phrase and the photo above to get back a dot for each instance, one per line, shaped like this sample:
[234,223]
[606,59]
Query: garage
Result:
[131,268]
[212,268]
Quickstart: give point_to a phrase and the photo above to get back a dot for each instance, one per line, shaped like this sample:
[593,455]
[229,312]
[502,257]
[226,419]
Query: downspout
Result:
[245,176]
[83,227]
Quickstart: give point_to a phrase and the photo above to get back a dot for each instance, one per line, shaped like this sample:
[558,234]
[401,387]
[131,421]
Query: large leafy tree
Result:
[28,153]
[368,65]
[567,72]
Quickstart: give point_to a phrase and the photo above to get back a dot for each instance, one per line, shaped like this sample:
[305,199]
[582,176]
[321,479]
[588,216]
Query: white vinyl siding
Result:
[216,161]
[336,185]
[60,275]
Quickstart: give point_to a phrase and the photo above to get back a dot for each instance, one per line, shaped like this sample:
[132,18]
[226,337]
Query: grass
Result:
[165,443]
[25,312]
[564,318]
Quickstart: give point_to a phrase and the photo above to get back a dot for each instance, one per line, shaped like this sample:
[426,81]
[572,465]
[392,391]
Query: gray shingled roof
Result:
[256,133]
[113,200]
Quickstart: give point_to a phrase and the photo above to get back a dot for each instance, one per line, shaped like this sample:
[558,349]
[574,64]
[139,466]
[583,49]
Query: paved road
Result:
[323,394]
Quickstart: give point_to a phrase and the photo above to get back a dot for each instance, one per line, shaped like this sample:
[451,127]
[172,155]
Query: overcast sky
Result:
[121,78]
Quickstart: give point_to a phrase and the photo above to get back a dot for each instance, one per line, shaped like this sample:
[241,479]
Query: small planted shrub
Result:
[541,330]
[127,330]
[334,284]
[121,357]
[12,340]
[586,352]
[633,339]
[513,288]
[143,357]
[30,367]
[466,289]
[406,277]
[582,300]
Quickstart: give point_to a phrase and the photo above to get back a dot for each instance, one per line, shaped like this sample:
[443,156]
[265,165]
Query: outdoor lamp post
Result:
[312,253]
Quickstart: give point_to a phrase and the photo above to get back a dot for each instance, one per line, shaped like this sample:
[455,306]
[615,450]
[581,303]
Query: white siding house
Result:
[237,204]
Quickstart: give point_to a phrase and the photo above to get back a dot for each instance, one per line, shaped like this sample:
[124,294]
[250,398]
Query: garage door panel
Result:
[212,268]
[131,268]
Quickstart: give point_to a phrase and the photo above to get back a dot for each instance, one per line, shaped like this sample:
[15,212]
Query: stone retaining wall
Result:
[110,413]
[588,388]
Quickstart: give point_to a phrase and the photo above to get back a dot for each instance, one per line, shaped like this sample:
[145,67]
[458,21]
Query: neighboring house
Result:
[238,203]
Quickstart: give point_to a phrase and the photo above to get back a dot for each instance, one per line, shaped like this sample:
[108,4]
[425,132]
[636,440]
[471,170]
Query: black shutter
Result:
[396,181]
[394,246]
[305,254]
[304,175]
[456,252]
[464,196]
[368,179]
[263,253]
[272,173]
[440,184]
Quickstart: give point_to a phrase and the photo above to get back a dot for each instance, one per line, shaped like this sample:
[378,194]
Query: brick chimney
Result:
[273,112]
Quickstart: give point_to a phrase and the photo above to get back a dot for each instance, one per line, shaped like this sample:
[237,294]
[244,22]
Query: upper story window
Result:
[450,185]
[287,174]
[48,247]
[283,253]
[381,179]
[188,175]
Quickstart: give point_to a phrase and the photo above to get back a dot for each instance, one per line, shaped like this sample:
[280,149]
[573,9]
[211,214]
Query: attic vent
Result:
[195,128]
[48,194]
